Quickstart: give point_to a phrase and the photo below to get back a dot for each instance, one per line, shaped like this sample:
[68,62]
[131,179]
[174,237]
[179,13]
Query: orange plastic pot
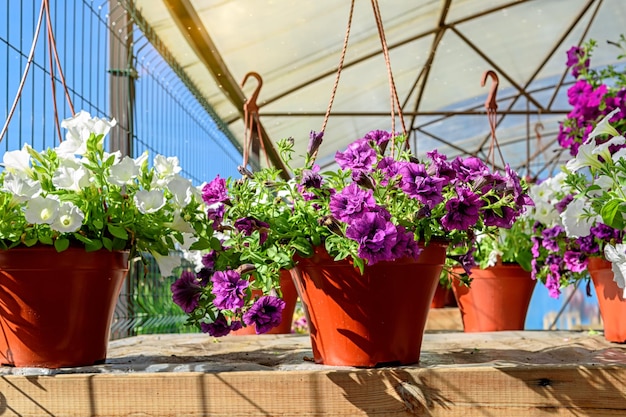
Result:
[610,300]
[496,300]
[368,320]
[290,296]
[56,308]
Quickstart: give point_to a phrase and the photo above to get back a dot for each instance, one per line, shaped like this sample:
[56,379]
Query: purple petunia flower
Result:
[553,282]
[379,138]
[247,225]
[311,178]
[265,313]
[551,237]
[220,326]
[208,259]
[588,244]
[575,261]
[406,246]
[315,140]
[463,211]
[376,236]
[470,168]
[505,218]
[443,168]
[229,289]
[359,156]
[351,202]
[186,291]
[416,183]
[216,215]
[215,191]
[562,205]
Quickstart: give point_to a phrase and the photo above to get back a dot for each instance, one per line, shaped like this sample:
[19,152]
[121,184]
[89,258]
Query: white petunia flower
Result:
[42,210]
[67,177]
[180,224]
[575,221]
[182,190]
[79,128]
[17,162]
[166,263]
[70,218]
[584,158]
[166,167]
[546,213]
[124,172]
[22,188]
[604,127]
[617,256]
[149,201]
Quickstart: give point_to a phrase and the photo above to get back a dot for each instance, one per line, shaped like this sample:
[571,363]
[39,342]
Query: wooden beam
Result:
[191,26]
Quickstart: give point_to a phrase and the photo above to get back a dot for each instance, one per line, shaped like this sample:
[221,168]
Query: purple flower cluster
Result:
[463,192]
[591,99]
[558,259]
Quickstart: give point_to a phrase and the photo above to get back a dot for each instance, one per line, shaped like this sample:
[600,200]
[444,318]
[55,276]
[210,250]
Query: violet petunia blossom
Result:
[220,326]
[265,313]
[215,191]
[416,183]
[376,237]
[575,261]
[315,140]
[311,178]
[470,168]
[389,167]
[505,218]
[186,291]
[229,290]
[551,237]
[406,246]
[463,211]
[216,215]
[359,156]
[247,225]
[442,167]
[588,244]
[351,202]
[552,282]
[208,259]
[378,137]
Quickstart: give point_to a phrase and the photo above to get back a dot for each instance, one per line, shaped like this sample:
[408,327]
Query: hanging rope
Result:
[491,105]
[393,93]
[395,102]
[339,68]
[45,8]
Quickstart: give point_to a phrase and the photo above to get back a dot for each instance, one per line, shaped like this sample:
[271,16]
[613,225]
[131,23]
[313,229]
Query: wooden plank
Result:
[495,374]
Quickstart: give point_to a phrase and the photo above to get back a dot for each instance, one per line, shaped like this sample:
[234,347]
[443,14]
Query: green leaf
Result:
[612,215]
[303,247]
[93,246]
[46,240]
[117,231]
[61,244]
[107,243]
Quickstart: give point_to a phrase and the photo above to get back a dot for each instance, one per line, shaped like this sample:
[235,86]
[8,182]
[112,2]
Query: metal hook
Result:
[538,127]
[490,103]
[250,105]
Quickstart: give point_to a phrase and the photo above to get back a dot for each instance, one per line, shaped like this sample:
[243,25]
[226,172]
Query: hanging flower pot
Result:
[610,300]
[497,298]
[367,320]
[56,307]
[289,296]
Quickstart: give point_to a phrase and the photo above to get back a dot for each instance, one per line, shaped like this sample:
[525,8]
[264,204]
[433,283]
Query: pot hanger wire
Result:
[52,48]
[396,108]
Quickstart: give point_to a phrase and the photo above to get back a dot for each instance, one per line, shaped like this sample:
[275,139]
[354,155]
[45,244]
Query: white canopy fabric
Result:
[439,50]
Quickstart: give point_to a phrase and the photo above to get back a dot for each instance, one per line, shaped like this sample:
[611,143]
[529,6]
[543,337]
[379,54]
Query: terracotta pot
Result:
[56,308]
[496,300]
[368,320]
[290,296]
[444,297]
[610,300]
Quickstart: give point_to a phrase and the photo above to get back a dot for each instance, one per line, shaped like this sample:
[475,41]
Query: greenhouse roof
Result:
[439,51]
